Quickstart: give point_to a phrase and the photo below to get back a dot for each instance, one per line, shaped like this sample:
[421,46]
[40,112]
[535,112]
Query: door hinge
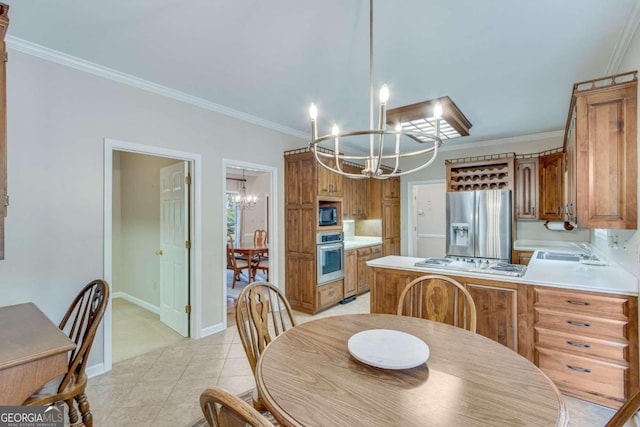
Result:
[6,200]
[187,179]
[187,308]
[187,244]
[6,56]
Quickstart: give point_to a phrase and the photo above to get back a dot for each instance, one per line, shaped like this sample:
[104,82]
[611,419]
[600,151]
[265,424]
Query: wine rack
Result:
[481,174]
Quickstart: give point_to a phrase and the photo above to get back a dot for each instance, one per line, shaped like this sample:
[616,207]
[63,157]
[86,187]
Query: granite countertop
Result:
[611,278]
[361,242]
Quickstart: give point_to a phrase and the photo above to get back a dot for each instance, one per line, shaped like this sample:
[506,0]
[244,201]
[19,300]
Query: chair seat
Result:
[49,392]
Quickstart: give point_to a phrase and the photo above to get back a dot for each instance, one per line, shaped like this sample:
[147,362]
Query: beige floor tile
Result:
[182,415]
[188,390]
[237,350]
[211,351]
[236,366]
[237,384]
[164,371]
[204,368]
[139,416]
[150,393]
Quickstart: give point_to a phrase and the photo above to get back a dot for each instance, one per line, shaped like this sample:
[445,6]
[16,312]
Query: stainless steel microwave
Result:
[328,215]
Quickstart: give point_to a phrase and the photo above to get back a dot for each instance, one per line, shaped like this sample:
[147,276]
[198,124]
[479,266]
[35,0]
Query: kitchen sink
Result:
[566,256]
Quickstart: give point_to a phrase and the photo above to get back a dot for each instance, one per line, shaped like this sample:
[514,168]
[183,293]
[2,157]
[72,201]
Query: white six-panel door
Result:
[174,284]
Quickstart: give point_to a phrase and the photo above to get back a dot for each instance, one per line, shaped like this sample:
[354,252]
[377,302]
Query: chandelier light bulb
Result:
[313,111]
[384,94]
[335,130]
[437,110]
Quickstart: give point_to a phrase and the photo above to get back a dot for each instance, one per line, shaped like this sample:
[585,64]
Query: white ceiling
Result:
[508,65]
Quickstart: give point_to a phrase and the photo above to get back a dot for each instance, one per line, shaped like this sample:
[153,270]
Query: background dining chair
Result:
[223,409]
[80,323]
[626,411]
[260,238]
[438,298]
[237,265]
[262,313]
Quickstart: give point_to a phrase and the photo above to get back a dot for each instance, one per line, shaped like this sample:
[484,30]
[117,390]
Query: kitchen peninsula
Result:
[577,322]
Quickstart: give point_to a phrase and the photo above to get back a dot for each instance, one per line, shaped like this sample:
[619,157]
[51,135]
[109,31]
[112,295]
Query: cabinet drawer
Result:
[581,373]
[580,344]
[376,251]
[364,252]
[578,323]
[609,306]
[330,293]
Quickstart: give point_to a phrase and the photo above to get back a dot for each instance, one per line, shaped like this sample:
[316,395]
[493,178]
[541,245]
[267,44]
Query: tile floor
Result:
[162,387]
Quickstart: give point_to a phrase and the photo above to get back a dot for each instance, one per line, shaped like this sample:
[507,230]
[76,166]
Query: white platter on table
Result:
[388,349]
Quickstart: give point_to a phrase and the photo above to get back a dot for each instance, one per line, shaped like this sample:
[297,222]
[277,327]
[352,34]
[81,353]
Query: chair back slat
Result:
[438,298]
[262,313]
[260,238]
[85,313]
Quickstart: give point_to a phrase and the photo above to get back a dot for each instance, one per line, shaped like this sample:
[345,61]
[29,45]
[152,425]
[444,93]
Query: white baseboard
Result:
[213,329]
[137,301]
[95,370]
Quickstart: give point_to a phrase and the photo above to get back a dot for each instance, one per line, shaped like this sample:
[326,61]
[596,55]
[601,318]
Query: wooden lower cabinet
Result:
[350,272]
[501,307]
[587,342]
[365,273]
[330,293]
[521,257]
[300,289]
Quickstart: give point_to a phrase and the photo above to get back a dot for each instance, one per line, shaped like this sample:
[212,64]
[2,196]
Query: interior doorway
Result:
[427,219]
[241,221]
[150,226]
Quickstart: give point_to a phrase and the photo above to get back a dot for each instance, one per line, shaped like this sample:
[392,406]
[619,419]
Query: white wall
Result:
[57,119]
[136,267]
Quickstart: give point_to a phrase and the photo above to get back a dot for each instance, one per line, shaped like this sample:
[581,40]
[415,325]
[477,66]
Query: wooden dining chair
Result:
[262,313]
[237,265]
[260,238]
[626,411]
[80,323]
[223,409]
[438,298]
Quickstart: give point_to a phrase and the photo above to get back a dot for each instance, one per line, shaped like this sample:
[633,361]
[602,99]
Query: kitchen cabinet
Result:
[391,189]
[587,343]
[350,272]
[356,195]
[526,193]
[570,192]
[329,183]
[330,294]
[606,170]
[391,227]
[365,273]
[4,198]
[551,175]
[501,307]
[481,173]
[521,257]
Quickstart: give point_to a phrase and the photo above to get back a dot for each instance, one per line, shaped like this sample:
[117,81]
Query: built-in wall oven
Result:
[330,257]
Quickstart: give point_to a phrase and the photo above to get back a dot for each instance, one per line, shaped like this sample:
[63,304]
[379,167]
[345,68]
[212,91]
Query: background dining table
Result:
[307,377]
[33,350]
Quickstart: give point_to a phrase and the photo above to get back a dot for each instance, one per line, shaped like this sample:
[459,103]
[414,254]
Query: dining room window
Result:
[233,216]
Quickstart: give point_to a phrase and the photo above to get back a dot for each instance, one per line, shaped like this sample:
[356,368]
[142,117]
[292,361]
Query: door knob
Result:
[159,253]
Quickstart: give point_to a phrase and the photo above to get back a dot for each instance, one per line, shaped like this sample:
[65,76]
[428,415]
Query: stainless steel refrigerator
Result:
[479,224]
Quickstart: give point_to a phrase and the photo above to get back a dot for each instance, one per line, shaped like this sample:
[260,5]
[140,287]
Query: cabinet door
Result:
[391,189]
[607,169]
[375,198]
[391,246]
[527,188]
[350,273]
[570,172]
[301,282]
[390,219]
[522,257]
[329,183]
[497,313]
[551,187]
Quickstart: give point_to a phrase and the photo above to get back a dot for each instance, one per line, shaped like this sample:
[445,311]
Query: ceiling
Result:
[508,65]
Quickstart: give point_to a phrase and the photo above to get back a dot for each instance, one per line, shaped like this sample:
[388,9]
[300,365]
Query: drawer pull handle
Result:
[583,370]
[577,344]
[574,323]
[570,301]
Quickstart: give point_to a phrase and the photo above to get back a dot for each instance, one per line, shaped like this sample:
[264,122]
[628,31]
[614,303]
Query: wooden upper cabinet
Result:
[606,156]
[551,175]
[4,24]
[329,183]
[391,189]
[527,188]
[355,200]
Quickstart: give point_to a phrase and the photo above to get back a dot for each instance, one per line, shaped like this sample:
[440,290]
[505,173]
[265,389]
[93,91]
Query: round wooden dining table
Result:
[307,377]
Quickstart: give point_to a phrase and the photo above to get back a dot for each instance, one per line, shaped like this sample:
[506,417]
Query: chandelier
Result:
[428,130]
[241,200]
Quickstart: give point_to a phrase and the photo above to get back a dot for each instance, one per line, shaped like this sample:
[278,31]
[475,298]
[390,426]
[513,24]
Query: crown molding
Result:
[48,54]
[502,141]
[626,36]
